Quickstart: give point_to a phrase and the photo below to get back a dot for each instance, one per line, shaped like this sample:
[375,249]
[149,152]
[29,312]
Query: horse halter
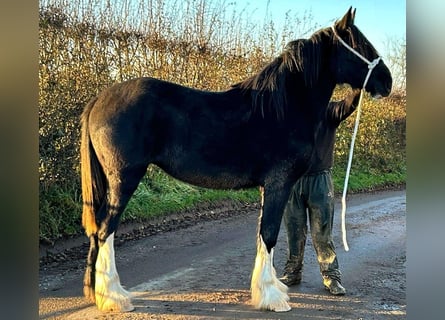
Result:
[371,66]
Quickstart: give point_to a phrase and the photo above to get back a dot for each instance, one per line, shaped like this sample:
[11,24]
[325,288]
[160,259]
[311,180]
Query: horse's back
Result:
[135,98]
[153,121]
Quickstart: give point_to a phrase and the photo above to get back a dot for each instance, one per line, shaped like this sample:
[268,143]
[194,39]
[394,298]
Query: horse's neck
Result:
[312,101]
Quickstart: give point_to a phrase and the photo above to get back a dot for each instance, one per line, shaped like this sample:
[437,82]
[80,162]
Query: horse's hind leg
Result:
[268,292]
[89,278]
[109,294]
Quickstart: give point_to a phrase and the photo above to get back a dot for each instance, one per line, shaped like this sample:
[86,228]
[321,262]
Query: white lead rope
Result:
[371,66]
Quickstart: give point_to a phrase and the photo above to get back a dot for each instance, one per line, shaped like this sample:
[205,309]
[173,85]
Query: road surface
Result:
[203,271]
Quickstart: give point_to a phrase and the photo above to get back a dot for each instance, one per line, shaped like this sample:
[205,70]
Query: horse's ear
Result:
[347,20]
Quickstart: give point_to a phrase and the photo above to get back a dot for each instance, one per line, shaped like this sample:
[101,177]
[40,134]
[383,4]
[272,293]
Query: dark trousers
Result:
[312,198]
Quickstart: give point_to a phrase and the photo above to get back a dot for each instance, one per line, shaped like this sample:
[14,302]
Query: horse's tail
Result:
[93,178]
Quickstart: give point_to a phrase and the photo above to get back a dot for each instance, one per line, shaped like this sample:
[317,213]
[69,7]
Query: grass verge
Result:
[158,194]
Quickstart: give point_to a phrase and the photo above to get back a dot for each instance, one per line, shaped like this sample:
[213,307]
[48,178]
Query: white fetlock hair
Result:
[268,292]
[110,295]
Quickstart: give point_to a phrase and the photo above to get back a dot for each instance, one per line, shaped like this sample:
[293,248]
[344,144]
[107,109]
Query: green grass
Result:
[368,179]
[60,213]
[158,194]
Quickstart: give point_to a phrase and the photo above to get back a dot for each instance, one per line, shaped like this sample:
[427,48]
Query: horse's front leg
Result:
[267,291]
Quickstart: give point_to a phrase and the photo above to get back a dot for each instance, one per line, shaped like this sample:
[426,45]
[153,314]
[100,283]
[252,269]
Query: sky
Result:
[379,20]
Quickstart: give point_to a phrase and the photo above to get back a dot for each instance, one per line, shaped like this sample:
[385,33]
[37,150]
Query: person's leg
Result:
[321,215]
[295,222]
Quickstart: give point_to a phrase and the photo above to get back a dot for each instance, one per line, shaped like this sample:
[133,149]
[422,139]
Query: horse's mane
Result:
[268,87]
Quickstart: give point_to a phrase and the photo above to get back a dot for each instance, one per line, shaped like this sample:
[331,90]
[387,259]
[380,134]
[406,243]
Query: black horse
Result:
[259,132]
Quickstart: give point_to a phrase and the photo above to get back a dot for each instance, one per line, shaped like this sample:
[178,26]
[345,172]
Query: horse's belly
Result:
[211,177]
[221,181]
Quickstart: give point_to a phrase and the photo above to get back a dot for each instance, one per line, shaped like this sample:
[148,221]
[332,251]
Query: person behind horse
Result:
[313,196]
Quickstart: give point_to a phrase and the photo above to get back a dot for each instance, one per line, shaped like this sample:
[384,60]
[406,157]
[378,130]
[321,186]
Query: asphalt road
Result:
[203,271]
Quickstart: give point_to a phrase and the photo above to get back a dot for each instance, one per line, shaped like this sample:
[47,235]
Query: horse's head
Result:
[353,69]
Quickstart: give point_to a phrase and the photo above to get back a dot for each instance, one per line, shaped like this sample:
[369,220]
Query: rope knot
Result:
[374,63]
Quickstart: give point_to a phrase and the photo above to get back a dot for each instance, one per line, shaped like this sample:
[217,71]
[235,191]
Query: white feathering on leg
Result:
[267,291]
[110,295]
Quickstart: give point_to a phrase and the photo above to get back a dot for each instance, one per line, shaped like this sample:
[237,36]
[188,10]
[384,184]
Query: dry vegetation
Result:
[87,45]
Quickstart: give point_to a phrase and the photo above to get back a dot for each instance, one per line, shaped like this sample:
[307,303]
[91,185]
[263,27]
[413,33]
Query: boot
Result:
[334,286]
[292,273]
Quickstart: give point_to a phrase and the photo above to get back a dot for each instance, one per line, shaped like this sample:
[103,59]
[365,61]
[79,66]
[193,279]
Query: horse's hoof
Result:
[283,307]
[121,304]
